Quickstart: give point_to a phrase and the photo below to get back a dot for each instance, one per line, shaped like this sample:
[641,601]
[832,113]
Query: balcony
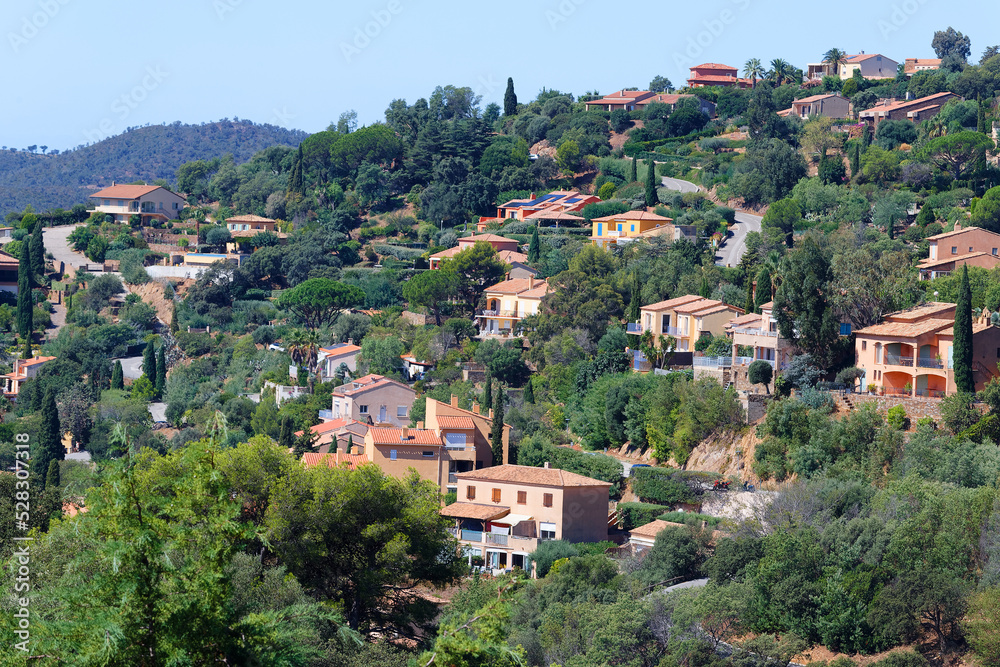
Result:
[497,539]
[452,478]
[713,362]
[634,328]
[898,360]
[673,331]
[471,535]
[509,314]
[756,332]
[929,363]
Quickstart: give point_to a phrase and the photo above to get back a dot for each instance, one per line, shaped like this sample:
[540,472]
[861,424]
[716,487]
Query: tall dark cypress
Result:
[36,251]
[496,428]
[981,123]
[488,390]
[635,170]
[535,247]
[49,445]
[650,183]
[24,305]
[161,372]
[856,159]
[149,362]
[748,305]
[962,346]
[52,480]
[286,439]
[509,99]
[529,393]
[117,376]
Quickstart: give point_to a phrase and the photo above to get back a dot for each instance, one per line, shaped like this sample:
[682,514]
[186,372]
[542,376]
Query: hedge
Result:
[631,515]
[659,486]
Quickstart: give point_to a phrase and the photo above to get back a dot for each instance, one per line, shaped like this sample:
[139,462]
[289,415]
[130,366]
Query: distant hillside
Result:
[144,153]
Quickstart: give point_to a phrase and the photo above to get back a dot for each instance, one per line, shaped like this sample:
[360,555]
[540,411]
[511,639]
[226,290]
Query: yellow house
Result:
[508,303]
[630,225]
[686,318]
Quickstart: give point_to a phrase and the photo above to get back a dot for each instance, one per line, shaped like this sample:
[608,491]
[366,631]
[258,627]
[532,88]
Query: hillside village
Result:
[693,375]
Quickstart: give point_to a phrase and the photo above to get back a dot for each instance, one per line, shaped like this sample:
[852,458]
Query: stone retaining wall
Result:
[916,408]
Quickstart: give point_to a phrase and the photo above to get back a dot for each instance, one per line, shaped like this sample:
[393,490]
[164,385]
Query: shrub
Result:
[631,515]
[896,417]
[607,191]
[760,372]
[660,486]
[902,659]
[549,552]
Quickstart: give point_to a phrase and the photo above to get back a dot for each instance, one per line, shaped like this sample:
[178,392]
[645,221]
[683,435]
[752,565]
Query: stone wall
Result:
[916,408]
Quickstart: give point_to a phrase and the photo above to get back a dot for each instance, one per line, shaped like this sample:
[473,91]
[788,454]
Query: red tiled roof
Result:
[521,286]
[672,303]
[906,329]
[713,66]
[394,436]
[921,103]
[816,98]
[331,460]
[713,78]
[489,238]
[923,311]
[654,528]
[249,218]
[334,425]
[6,258]
[529,475]
[464,423]
[860,57]
[340,350]
[475,511]
[126,191]
[931,263]
[633,215]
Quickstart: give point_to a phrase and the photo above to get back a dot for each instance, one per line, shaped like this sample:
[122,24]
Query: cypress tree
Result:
[704,291]
[52,475]
[748,306]
[350,443]
[635,170]
[488,390]
[763,289]
[286,439]
[117,376]
[962,346]
[24,304]
[161,372]
[49,444]
[981,123]
[535,247]
[529,393]
[296,182]
[496,428]
[26,350]
[509,99]
[149,362]
[634,308]
[650,183]
[855,159]
[36,251]
[174,327]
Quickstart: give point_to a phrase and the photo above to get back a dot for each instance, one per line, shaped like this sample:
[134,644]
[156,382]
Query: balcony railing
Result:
[500,313]
[930,393]
[673,331]
[757,332]
[488,313]
[713,362]
[472,535]
[929,363]
[452,478]
[634,328]
[897,360]
[494,538]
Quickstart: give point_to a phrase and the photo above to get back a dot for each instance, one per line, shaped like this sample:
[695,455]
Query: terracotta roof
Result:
[126,191]
[249,218]
[475,511]
[333,425]
[921,312]
[672,303]
[654,528]
[633,215]
[817,98]
[714,78]
[489,238]
[520,286]
[530,475]
[34,361]
[673,98]
[695,306]
[456,422]
[861,57]
[930,263]
[394,436]
[906,329]
[713,66]
[921,103]
[250,233]
[331,460]
[413,360]
[367,383]
[910,65]
[7,258]
[506,256]
[338,350]
[744,319]
[961,230]
[550,214]
[767,306]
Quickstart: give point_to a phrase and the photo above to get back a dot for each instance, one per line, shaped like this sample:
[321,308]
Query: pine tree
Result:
[174,326]
[634,308]
[962,345]
[49,444]
[304,443]
[535,247]
[496,428]
[529,393]
[161,372]
[149,362]
[509,99]
[36,251]
[635,170]
[52,476]
[24,305]
[926,216]
[286,439]
[650,183]
[488,389]
[117,376]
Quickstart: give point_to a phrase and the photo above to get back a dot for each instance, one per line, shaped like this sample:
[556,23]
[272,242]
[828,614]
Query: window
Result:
[496,495]
[363,409]
[470,493]
[336,410]
[121,203]
[547,500]
[633,228]
[428,455]
[176,206]
[954,250]
[392,454]
[994,251]
[864,345]
[454,441]
[522,496]
[845,329]
[401,411]
[547,531]
[970,248]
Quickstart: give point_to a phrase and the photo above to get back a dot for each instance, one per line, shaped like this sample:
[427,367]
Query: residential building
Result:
[509,302]
[150,202]
[671,100]
[716,74]
[913,65]
[556,207]
[330,359]
[642,538]
[8,272]
[337,432]
[759,332]
[454,441]
[872,66]
[508,250]
[285,392]
[830,105]
[911,110]
[519,270]
[374,400]
[619,100]
[204,259]
[244,227]
[964,246]
[503,513]
[816,71]
[686,319]
[24,370]
[611,230]
[911,352]
[413,369]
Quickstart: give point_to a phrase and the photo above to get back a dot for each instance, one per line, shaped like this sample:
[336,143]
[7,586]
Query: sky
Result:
[77,71]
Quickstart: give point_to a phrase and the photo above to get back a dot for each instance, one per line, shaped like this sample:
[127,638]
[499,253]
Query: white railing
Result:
[713,362]
[673,331]
[756,332]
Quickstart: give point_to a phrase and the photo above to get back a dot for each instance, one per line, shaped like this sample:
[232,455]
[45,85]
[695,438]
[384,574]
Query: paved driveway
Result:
[132,367]
[55,242]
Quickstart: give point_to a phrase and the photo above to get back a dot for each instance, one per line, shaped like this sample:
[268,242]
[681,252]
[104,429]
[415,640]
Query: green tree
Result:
[25,305]
[117,376]
[97,248]
[475,268]
[509,99]
[161,371]
[535,247]
[651,198]
[149,361]
[36,251]
[834,57]
[487,388]
[318,301]
[781,217]
[496,427]
[174,324]
[982,625]
[801,303]
[286,439]
[52,476]
[568,156]
[634,174]
[431,289]
[529,393]
[985,215]
[760,372]
[962,347]
[48,445]
[958,152]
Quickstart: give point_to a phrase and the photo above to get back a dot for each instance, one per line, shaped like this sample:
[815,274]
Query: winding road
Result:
[731,251]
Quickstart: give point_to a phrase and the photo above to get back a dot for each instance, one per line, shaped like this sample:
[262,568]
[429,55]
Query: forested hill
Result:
[143,153]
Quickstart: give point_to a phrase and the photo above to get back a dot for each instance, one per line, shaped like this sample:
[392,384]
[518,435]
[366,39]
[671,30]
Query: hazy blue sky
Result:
[76,71]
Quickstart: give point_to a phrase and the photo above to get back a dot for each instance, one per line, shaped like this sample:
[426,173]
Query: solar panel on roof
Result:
[572,200]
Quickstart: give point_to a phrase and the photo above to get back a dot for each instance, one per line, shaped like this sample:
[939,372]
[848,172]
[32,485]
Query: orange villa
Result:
[557,206]
[24,370]
[968,246]
[508,250]
[910,353]
[509,302]
[147,201]
[716,74]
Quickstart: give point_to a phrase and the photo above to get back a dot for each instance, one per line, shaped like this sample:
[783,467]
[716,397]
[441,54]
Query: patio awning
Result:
[512,519]
[475,511]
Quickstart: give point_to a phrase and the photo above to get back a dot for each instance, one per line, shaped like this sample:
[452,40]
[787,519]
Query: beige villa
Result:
[151,202]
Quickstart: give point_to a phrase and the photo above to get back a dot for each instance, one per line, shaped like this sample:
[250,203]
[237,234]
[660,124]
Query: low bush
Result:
[660,486]
[632,515]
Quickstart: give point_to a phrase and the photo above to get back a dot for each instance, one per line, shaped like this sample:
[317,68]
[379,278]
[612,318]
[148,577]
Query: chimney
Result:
[454,401]
[532,195]
[420,426]
[405,435]
[547,465]
[531,282]
[350,341]
[475,408]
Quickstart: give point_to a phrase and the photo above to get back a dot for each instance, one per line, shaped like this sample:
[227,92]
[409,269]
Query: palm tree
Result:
[303,347]
[753,70]
[779,71]
[834,57]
